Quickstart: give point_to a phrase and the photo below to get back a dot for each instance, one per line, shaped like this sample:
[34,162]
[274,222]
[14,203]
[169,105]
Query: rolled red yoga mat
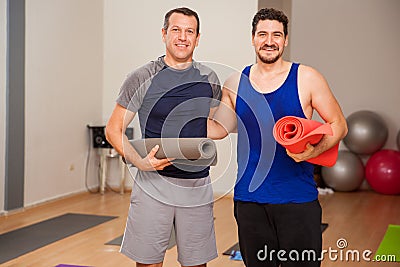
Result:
[294,133]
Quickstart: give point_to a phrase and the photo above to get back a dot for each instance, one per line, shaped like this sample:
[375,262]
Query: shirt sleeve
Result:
[216,89]
[134,88]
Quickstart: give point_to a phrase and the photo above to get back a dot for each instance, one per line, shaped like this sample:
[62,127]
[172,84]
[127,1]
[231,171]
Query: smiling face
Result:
[269,41]
[180,38]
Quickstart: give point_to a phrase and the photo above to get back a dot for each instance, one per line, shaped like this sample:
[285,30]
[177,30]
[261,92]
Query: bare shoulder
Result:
[311,78]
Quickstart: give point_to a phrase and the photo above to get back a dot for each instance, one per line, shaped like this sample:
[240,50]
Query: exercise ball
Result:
[367,133]
[382,171]
[346,175]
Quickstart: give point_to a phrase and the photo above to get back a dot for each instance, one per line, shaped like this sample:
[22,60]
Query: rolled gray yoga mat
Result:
[186,151]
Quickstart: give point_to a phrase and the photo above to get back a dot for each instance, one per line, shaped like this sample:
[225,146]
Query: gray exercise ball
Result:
[346,175]
[367,134]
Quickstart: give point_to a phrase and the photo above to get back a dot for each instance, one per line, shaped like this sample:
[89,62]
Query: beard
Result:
[269,60]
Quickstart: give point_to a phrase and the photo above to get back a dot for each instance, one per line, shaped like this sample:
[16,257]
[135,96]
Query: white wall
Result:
[64,61]
[355,45]
[3,38]
[132,37]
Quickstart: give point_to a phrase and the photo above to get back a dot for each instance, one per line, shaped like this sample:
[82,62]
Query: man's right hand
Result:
[115,129]
[151,163]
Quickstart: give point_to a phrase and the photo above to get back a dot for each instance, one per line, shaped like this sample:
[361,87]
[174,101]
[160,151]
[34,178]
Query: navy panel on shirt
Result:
[177,104]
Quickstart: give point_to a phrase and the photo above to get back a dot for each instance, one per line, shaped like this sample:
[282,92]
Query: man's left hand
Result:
[305,155]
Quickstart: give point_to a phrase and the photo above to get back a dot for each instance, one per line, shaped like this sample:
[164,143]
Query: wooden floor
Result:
[361,218]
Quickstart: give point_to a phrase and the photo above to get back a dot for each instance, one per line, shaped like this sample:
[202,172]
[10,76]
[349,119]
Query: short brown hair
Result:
[182,10]
[270,14]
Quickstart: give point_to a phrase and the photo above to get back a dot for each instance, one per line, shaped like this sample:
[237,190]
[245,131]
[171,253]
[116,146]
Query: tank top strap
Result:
[292,77]
[246,70]
[292,72]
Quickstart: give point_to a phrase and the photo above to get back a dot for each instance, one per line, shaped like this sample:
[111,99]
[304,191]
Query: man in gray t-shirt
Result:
[173,97]
[172,103]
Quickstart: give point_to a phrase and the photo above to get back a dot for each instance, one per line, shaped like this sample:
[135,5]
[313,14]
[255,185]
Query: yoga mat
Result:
[294,133]
[118,241]
[26,239]
[230,251]
[187,151]
[390,245]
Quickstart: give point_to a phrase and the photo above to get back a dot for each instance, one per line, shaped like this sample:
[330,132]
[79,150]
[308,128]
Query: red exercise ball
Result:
[382,172]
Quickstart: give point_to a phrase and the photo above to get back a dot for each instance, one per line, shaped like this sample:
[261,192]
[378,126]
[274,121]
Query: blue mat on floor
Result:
[26,239]
[234,251]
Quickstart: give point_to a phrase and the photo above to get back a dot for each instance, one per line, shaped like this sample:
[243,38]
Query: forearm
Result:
[120,142]
[325,144]
[339,130]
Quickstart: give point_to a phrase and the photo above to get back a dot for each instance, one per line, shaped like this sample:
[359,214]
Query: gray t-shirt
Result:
[172,103]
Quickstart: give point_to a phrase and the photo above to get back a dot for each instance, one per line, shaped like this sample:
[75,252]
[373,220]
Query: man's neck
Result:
[178,65]
[267,69]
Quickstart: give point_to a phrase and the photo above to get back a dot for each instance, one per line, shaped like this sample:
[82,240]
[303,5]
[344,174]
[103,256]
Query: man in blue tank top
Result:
[173,97]
[275,197]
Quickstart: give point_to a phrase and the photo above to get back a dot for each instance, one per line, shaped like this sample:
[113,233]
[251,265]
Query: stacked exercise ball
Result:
[346,175]
[367,134]
[382,171]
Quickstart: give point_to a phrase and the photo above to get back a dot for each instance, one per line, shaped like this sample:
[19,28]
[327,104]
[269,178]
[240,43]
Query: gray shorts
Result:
[161,204]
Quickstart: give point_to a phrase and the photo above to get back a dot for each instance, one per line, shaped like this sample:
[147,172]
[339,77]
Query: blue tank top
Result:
[266,174]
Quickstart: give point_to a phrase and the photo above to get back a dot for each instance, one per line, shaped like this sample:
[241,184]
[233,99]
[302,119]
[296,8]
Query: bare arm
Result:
[115,134]
[224,119]
[318,96]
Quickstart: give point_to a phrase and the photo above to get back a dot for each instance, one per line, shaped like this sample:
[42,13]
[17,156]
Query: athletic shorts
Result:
[274,234]
[161,204]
